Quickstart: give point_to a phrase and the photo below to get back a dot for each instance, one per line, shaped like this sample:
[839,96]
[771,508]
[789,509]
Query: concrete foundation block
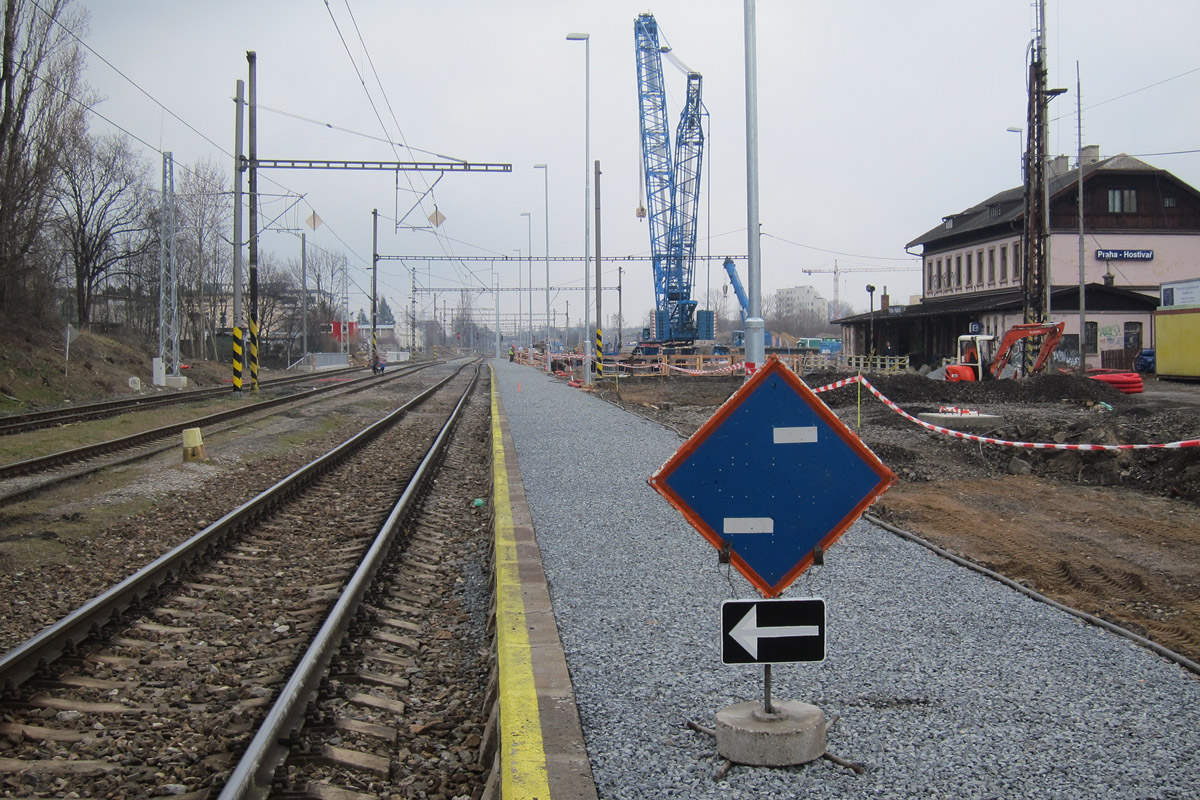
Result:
[794,734]
[963,422]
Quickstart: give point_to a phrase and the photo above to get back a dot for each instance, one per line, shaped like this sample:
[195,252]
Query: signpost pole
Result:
[767,707]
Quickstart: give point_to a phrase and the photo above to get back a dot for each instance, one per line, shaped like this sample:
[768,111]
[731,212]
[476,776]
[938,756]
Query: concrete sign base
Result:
[794,734]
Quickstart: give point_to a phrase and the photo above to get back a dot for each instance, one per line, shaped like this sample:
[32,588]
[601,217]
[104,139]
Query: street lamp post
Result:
[529,267]
[546,175]
[520,300]
[587,189]
[1020,148]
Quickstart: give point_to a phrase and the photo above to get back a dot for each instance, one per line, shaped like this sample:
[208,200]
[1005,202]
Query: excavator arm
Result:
[1052,333]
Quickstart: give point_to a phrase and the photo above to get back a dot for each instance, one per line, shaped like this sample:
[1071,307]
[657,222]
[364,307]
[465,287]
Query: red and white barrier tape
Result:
[1004,442]
[717,371]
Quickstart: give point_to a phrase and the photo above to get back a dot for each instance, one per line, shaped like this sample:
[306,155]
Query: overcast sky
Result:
[876,119]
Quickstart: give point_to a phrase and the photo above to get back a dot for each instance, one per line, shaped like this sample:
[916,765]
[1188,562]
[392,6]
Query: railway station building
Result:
[1141,229]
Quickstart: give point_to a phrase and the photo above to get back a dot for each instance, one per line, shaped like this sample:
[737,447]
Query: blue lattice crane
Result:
[672,193]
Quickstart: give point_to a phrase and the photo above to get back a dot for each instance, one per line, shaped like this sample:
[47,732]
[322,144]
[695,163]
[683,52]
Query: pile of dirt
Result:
[1051,388]
[1055,408]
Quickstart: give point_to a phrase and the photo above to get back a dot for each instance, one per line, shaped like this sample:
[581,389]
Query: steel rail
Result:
[49,460]
[253,775]
[57,479]
[33,420]
[23,661]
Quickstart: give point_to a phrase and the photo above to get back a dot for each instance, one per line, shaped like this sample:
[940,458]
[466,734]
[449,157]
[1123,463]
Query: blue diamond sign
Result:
[773,475]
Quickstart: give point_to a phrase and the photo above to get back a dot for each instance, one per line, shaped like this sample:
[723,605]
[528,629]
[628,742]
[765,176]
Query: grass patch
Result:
[66,437]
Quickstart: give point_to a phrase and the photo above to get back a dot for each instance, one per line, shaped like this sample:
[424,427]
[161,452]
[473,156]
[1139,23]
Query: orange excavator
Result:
[973,357]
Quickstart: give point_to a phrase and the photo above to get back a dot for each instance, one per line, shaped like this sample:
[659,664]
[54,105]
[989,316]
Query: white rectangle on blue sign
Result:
[749,525]
[799,435]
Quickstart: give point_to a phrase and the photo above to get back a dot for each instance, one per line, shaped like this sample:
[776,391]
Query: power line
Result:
[352,132]
[383,92]
[1135,91]
[834,252]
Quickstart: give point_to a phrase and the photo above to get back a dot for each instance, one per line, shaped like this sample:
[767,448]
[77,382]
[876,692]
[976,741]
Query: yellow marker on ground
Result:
[193,445]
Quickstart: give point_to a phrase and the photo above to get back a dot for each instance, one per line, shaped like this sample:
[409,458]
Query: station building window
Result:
[991,266]
[1122,201]
[1091,331]
[1133,336]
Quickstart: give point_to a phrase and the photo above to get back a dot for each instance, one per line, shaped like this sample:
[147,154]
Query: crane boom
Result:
[689,153]
[837,273]
[738,289]
[672,189]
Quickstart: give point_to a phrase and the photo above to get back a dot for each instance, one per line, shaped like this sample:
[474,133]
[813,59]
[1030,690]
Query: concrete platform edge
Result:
[542,752]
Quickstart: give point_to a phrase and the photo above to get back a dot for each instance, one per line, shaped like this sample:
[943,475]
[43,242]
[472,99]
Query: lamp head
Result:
[578,37]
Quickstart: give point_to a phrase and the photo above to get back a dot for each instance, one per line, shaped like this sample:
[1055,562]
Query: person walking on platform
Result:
[512,353]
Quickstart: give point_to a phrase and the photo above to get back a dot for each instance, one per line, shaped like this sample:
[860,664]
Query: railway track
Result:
[22,479]
[33,420]
[194,647]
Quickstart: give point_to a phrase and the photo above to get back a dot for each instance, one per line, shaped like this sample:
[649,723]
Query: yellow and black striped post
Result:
[237,360]
[253,354]
[599,353]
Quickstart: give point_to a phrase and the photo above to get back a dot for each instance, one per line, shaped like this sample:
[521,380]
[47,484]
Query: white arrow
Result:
[747,633]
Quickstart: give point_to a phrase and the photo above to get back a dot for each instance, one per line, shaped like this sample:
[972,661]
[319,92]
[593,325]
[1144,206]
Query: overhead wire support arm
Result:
[384,166]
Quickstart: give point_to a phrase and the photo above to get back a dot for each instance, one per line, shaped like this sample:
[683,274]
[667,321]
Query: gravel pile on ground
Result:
[947,684]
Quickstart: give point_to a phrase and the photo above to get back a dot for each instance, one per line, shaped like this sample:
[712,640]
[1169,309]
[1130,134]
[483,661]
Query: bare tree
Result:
[104,208]
[326,270]
[41,111]
[204,213]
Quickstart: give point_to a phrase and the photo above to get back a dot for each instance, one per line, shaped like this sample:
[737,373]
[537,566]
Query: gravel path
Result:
[948,685]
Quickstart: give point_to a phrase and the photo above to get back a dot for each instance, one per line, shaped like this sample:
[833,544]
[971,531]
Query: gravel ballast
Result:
[947,684]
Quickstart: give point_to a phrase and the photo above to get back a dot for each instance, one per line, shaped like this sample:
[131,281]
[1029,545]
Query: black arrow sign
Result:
[781,631]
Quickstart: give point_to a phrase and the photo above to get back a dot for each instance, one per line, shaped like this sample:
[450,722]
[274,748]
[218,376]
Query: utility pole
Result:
[239,169]
[1035,283]
[599,287]
[168,282]
[251,58]
[1079,166]
[620,313]
[755,347]
[304,293]
[374,279]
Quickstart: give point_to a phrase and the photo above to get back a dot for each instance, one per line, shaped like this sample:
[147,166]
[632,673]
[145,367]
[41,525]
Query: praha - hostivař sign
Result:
[1124,255]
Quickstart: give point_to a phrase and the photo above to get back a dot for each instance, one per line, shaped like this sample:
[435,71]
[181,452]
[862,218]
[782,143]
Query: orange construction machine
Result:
[974,356]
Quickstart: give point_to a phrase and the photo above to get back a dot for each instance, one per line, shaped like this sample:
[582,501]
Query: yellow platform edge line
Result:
[523,754]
